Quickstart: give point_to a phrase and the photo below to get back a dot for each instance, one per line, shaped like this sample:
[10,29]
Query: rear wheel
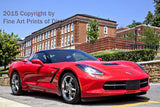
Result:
[70,88]
[15,84]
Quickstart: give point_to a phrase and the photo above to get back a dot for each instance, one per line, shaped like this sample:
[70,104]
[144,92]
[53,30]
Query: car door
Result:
[30,72]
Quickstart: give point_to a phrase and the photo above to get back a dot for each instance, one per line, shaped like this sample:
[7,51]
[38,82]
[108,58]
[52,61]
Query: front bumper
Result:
[93,87]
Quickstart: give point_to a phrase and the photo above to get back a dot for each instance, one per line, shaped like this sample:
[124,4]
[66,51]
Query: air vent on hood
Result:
[109,64]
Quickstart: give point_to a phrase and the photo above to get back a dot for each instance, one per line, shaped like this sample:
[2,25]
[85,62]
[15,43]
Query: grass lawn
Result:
[2,71]
[106,51]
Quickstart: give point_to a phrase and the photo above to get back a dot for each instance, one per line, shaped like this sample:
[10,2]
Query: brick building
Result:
[123,32]
[66,34]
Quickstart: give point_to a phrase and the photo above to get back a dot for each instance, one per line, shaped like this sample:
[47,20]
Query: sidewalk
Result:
[8,103]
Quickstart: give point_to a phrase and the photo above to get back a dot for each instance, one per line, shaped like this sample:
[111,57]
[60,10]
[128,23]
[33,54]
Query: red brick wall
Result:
[108,43]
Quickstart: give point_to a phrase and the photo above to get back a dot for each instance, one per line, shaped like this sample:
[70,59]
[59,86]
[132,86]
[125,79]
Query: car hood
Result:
[121,69]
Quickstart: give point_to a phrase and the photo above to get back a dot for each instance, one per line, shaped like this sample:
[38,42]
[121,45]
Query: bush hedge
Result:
[134,55]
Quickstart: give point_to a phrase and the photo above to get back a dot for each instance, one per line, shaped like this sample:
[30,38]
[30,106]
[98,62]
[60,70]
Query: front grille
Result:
[125,85]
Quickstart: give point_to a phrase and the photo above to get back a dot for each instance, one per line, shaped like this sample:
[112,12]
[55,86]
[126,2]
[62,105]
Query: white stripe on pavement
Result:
[8,103]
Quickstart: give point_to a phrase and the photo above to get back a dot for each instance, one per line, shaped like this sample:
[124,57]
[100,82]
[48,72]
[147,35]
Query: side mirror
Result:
[37,61]
[100,59]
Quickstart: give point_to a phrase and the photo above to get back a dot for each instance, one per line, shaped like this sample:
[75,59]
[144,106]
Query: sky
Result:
[16,15]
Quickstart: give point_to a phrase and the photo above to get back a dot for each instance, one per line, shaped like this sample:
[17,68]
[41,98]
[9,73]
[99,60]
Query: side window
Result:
[41,56]
[30,58]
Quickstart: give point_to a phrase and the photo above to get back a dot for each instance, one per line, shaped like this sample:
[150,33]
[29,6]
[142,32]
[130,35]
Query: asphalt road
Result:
[36,99]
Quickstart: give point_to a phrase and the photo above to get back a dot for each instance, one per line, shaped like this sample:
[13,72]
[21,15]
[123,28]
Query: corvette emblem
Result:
[129,73]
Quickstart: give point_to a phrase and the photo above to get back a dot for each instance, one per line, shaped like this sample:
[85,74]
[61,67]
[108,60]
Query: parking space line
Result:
[134,104]
[9,103]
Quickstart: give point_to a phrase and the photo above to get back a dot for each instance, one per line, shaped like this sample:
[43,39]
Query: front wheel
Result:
[15,83]
[70,88]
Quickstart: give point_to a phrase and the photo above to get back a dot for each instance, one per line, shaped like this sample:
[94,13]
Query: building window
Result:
[72,38]
[68,40]
[54,42]
[126,35]
[123,35]
[62,30]
[48,34]
[105,30]
[40,38]
[35,48]
[88,38]
[87,26]
[54,32]
[33,40]
[138,33]
[48,44]
[51,44]
[69,28]
[65,29]
[62,42]
[65,41]
[43,36]
[72,27]
[42,46]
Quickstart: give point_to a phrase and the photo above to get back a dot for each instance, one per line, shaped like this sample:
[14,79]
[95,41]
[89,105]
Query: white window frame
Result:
[62,42]
[69,28]
[39,37]
[105,30]
[48,34]
[65,41]
[69,40]
[51,44]
[72,26]
[33,40]
[72,38]
[43,36]
[54,42]
[65,29]
[48,44]
[42,46]
[54,32]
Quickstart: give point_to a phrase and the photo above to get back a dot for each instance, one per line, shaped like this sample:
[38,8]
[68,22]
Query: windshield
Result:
[69,56]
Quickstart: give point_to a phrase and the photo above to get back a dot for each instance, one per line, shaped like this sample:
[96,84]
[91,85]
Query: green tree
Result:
[134,24]
[150,36]
[93,32]
[156,19]
[130,36]
[8,47]
[149,18]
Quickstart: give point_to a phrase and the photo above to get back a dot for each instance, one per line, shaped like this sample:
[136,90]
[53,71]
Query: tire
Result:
[70,88]
[15,83]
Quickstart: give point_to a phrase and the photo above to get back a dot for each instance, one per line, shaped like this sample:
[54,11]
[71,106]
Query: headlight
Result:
[89,70]
[141,67]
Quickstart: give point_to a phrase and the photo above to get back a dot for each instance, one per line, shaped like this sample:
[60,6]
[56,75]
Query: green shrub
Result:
[135,55]
[2,71]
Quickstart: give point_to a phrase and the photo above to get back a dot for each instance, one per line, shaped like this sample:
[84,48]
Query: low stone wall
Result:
[153,69]
[4,81]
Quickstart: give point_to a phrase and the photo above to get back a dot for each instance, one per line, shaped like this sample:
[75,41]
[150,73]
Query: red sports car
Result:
[74,75]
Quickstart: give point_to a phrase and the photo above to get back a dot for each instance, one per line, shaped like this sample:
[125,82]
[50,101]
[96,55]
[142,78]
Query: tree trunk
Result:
[4,67]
